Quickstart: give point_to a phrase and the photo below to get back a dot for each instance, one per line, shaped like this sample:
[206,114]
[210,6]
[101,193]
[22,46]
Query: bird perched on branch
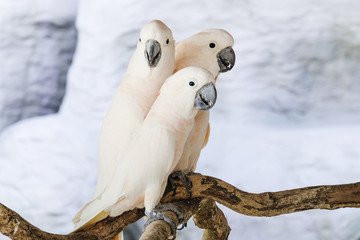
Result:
[151,64]
[143,168]
[212,50]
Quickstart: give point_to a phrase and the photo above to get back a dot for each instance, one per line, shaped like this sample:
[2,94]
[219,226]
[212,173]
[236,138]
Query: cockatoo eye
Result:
[212,45]
[191,83]
[167,41]
[139,39]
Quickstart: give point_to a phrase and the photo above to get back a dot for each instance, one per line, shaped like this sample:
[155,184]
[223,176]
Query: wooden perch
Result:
[263,204]
[17,228]
[270,204]
[210,218]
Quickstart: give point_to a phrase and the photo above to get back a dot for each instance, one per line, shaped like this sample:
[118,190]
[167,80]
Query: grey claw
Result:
[171,207]
[157,214]
[184,179]
[183,225]
[161,216]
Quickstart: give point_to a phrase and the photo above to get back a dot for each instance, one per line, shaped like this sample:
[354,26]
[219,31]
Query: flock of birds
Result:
[158,121]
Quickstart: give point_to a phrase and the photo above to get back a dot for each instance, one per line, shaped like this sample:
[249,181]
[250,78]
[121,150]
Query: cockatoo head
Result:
[189,90]
[156,45]
[210,49]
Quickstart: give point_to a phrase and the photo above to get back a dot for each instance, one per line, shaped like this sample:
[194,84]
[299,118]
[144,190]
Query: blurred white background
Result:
[287,115]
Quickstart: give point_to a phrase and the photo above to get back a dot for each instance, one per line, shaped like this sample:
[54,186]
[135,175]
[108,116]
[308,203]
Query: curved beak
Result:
[226,59]
[205,97]
[152,52]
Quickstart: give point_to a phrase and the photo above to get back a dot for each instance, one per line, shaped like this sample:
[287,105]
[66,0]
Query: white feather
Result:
[141,174]
[131,103]
[133,99]
[195,51]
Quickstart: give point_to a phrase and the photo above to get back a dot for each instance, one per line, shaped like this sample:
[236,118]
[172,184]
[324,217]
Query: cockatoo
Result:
[151,64]
[212,50]
[143,168]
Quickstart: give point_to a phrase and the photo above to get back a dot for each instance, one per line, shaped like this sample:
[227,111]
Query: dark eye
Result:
[167,41]
[191,83]
[212,45]
[139,39]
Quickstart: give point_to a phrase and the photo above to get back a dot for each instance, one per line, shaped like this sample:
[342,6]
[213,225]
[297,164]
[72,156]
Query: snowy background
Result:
[287,115]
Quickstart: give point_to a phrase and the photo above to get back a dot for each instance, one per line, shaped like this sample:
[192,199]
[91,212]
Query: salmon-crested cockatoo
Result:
[143,168]
[212,50]
[151,64]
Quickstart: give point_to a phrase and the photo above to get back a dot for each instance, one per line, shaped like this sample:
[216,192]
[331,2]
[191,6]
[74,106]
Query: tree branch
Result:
[270,204]
[251,204]
[210,218]
[17,228]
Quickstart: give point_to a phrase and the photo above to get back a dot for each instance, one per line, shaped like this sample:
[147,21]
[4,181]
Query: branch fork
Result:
[206,191]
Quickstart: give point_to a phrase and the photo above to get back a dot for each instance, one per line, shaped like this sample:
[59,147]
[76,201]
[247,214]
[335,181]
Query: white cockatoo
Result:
[151,64]
[143,168]
[212,50]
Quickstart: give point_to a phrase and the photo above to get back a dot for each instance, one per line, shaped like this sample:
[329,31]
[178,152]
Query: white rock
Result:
[37,42]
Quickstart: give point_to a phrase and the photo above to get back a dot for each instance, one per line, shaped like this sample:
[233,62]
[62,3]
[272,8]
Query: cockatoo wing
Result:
[139,176]
[123,118]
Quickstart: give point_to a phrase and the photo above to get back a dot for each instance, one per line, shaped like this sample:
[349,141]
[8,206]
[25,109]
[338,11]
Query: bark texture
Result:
[205,192]
[210,218]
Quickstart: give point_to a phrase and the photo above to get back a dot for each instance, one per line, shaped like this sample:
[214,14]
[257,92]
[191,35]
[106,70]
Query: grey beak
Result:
[152,52]
[205,97]
[226,59]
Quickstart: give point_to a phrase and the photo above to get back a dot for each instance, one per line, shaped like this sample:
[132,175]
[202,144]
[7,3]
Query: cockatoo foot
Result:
[171,207]
[157,214]
[183,178]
